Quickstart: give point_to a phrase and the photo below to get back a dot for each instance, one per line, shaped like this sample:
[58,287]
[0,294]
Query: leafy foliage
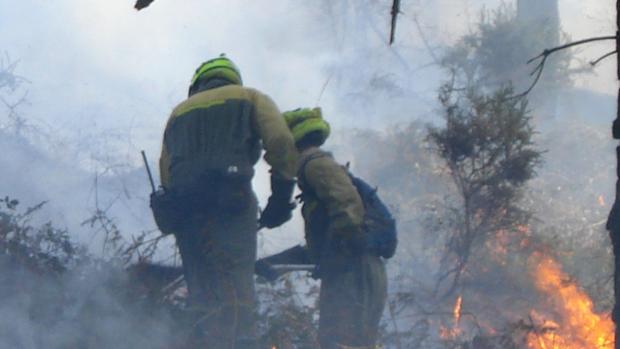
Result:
[122,291]
[13,96]
[496,53]
[43,248]
[65,296]
[488,149]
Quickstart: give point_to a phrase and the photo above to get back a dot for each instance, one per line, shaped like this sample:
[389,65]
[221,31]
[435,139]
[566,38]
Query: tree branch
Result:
[548,52]
[598,60]
[425,41]
[140,4]
[395,11]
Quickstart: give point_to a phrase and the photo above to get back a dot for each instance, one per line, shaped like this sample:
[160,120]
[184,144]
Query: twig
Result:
[140,4]
[323,88]
[395,11]
[547,52]
[597,61]
[399,344]
[173,285]
[425,41]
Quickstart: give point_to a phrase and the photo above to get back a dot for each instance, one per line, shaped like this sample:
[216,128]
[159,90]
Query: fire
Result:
[457,309]
[579,326]
[498,246]
[455,331]
[523,229]
[449,333]
[601,200]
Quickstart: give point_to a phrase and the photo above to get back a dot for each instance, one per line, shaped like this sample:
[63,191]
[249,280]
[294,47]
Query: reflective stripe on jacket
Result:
[192,133]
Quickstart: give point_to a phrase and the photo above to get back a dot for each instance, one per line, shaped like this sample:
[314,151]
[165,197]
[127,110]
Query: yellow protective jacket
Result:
[332,206]
[223,129]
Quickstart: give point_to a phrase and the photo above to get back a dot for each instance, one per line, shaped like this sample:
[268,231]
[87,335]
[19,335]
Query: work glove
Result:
[279,207]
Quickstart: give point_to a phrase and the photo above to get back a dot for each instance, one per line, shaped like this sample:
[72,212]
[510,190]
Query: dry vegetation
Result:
[498,249]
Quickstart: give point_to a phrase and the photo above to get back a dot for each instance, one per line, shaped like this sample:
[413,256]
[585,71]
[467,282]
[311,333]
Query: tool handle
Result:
[285,268]
[148,170]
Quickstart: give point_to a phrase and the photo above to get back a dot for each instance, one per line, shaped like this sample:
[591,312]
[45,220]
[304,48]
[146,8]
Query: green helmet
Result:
[303,121]
[220,67]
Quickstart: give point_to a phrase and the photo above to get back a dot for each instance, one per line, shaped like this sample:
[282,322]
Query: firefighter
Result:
[211,143]
[353,280]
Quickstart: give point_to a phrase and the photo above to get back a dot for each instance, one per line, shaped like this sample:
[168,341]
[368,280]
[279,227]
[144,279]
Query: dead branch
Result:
[392,313]
[416,21]
[324,87]
[140,4]
[173,285]
[548,52]
[598,60]
[395,11]
[537,72]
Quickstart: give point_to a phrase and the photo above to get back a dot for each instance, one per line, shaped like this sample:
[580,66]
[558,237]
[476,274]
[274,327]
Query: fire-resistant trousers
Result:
[218,254]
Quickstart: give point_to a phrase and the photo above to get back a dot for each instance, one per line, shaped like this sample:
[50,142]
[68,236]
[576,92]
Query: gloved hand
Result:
[279,207]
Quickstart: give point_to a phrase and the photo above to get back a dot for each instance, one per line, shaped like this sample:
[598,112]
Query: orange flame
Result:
[457,309]
[498,246]
[601,200]
[449,333]
[523,229]
[579,326]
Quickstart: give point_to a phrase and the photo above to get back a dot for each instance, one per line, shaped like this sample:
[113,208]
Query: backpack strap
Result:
[301,169]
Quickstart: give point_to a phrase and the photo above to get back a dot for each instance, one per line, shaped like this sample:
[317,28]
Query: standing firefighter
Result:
[353,278]
[211,143]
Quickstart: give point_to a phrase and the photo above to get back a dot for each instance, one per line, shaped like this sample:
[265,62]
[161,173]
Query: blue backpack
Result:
[379,224]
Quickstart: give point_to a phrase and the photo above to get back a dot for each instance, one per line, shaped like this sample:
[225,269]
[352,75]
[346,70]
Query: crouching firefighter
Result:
[352,272]
[211,143]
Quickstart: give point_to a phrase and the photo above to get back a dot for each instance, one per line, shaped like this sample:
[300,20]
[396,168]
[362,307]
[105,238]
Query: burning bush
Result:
[488,149]
[522,284]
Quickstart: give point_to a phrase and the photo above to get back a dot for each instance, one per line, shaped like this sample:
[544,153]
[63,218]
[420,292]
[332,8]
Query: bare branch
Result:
[140,4]
[548,52]
[395,11]
[598,60]
[318,100]
[425,41]
[538,71]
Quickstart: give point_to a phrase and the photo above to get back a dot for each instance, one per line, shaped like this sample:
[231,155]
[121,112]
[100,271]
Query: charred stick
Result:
[395,11]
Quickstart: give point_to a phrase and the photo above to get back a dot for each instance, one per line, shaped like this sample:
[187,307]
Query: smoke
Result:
[102,79]
[88,307]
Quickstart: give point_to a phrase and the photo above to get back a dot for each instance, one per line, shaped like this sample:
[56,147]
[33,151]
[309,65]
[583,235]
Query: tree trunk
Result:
[613,223]
[542,14]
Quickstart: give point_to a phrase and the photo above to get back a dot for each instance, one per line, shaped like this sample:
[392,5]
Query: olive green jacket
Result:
[266,127]
[332,205]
